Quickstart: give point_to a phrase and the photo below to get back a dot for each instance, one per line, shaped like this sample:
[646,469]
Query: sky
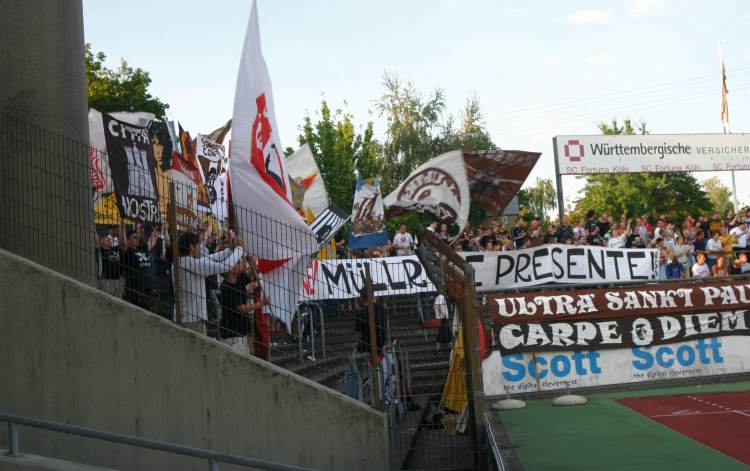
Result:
[540,68]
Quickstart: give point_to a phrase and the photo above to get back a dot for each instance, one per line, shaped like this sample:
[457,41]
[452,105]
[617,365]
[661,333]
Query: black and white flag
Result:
[131,161]
[328,223]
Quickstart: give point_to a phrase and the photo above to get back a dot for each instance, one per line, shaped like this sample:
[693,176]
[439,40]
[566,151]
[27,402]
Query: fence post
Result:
[172,219]
[374,358]
[13,447]
[473,366]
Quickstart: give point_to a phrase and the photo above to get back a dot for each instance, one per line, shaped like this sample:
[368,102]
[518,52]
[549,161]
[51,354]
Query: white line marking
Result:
[683,414]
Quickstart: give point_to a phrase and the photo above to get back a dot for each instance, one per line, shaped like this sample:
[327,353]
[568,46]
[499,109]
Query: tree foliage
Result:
[675,194]
[334,144]
[121,89]
[538,199]
[720,195]
[416,131]
[412,128]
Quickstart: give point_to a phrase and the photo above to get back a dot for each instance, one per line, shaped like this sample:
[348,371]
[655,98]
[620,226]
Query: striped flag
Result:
[328,223]
[724,92]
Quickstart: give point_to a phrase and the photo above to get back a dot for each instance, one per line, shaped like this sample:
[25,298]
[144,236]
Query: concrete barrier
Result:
[73,354]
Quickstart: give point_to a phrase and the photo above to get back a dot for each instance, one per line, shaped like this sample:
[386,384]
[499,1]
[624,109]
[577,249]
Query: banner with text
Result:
[561,264]
[577,155]
[616,333]
[344,278]
[663,298]
[518,373]
[132,166]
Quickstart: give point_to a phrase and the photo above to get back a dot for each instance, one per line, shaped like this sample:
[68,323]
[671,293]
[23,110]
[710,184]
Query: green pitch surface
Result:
[606,435]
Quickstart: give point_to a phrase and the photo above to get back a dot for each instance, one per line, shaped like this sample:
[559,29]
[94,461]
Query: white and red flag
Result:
[264,215]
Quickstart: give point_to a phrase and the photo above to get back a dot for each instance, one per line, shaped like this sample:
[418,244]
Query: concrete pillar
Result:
[45,191]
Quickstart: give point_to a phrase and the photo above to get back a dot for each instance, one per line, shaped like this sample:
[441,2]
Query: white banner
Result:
[519,373]
[439,186]
[344,278]
[557,263]
[577,155]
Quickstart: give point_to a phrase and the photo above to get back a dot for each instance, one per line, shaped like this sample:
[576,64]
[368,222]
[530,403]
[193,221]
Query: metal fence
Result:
[372,333]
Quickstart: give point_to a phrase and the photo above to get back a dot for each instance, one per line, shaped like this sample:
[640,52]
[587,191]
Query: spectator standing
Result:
[604,224]
[580,232]
[443,234]
[518,234]
[194,269]
[683,252]
[714,249]
[238,308]
[444,332]
[136,268]
[736,267]
[433,227]
[715,224]
[403,241]
[739,232]
[594,237]
[109,263]
[565,231]
[535,233]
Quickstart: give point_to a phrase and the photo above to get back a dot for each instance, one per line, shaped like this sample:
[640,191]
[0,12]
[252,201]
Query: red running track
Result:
[719,420]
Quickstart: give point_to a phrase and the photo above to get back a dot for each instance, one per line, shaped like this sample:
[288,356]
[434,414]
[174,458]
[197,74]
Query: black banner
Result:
[621,332]
[131,161]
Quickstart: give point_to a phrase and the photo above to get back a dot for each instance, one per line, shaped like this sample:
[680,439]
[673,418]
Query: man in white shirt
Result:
[700,269]
[713,249]
[617,239]
[403,242]
[194,268]
[740,233]
[441,313]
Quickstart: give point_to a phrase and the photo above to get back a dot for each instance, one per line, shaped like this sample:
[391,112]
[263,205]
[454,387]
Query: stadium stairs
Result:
[419,444]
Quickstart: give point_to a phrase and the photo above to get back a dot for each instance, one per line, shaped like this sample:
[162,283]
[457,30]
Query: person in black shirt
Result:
[518,234]
[109,260]
[136,267]
[594,237]
[565,231]
[238,306]
[161,273]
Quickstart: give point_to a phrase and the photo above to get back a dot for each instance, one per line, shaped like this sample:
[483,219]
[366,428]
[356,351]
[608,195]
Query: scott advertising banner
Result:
[523,372]
[132,165]
[344,278]
[577,155]
[557,263]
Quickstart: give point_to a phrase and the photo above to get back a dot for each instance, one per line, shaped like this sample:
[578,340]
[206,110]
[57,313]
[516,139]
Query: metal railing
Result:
[496,458]
[213,457]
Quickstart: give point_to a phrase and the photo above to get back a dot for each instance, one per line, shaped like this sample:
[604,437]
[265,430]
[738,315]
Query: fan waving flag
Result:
[439,186]
[257,172]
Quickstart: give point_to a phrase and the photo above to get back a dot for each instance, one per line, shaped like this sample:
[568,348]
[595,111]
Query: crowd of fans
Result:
[220,287]
[706,246]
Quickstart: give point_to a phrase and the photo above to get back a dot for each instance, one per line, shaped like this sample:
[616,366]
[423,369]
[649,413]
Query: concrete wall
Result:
[73,354]
[45,196]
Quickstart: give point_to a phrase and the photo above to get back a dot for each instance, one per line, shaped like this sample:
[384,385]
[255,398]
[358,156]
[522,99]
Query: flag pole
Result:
[725,118]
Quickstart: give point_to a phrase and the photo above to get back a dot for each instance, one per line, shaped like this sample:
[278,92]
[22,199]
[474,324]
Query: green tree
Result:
[720,195]
[368,158]
[675,194]
[471,132]
[538,199]
[122,89]
[335,145]
[412,128]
